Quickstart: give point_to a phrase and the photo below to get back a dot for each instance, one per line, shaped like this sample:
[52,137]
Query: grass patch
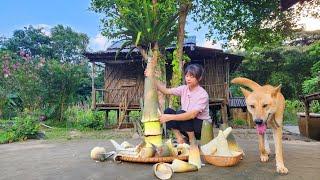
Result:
[3,137]
[69,134]
[56,133]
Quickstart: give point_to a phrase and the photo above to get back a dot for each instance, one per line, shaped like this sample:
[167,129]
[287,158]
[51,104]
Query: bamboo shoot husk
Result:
[182,166]
[208,148]
[150,107]
[206,132]
[222,146]
[155,140]
[98,153]
[162,170]
[173,151]
[232,143]
[152,128]
[126,145]
[183,149]
[147,152]
[124,151]
[194,156]
[163,151]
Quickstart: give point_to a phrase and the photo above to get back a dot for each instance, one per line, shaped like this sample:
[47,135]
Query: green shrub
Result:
[239,122]
[290,113]
[20,128]
[83,118]
[315,107]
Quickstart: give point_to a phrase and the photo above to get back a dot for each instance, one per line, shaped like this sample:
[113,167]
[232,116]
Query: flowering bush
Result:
[38,83]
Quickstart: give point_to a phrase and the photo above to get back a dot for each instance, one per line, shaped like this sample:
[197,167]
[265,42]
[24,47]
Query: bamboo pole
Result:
[93,106]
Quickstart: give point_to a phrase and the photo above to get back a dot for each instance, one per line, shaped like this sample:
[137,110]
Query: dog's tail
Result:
[246,82]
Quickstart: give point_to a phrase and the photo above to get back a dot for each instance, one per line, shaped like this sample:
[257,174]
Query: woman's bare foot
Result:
[179,136]
[180,140]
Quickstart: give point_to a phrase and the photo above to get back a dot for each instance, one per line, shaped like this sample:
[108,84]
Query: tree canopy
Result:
[63,43]
[296,68]
[138,22]
[250,23]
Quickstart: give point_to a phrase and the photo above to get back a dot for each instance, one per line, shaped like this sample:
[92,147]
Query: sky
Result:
[16,14]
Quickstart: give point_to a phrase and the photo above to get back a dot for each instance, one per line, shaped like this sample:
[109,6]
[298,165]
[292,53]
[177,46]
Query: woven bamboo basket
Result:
[223,161]
[151,159]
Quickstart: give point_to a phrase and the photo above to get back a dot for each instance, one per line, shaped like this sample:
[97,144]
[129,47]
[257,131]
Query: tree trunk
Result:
[183,12]
[177,77]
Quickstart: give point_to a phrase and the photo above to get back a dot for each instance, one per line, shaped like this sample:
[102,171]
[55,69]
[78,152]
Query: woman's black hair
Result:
[195,70]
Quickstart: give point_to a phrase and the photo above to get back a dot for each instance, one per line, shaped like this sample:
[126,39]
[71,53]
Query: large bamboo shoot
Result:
[150,116]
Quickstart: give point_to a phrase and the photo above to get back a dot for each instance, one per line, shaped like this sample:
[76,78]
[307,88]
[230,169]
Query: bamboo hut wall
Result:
[129,77]
[121,79]
[215,78]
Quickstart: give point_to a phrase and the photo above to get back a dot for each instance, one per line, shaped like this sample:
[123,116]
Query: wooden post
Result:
[306,103]
[106,123]
[224,113]
[93,106]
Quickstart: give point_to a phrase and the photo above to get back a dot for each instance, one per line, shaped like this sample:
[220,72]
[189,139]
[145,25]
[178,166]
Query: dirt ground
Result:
[41,159]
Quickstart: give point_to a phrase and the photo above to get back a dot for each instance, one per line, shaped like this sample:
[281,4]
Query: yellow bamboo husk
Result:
[182,166]
[150,107]
[173,151]
[183,149]
[163,151]
[147,152]
[206,132]
[194,156]
[162,170]
[232,143]
[140,146]
[150,115]
[213,150]
[155,140]
[152,128]
[222,146]
[207,149]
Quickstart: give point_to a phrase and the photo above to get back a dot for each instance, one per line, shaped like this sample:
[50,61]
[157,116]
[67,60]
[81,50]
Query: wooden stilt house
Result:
[124,76]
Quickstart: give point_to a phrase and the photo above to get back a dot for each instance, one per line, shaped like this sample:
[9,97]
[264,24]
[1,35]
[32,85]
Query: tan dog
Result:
[266,105]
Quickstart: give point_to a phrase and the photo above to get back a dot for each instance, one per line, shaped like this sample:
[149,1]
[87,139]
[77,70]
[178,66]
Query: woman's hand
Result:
[147,73]
[165,118]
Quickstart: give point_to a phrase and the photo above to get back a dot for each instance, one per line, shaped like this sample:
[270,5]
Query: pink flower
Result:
[16,66]
[6,71]
[22,53]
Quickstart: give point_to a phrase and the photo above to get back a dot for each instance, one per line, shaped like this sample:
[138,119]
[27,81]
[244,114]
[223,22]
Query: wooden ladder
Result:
[123,107]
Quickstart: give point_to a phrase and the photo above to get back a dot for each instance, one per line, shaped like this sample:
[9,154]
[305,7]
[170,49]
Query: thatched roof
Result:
[196,53]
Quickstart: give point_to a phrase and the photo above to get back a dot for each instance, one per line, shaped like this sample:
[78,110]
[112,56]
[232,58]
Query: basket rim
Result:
[151,159]
[241,154]
[223,161]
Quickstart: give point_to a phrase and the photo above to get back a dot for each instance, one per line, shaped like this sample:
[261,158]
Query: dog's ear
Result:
[245,92]
[276,91]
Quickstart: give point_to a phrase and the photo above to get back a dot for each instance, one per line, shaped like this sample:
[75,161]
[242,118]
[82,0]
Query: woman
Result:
[194,106]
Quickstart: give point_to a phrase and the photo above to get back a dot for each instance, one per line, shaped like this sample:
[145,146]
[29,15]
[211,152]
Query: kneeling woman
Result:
[194,106]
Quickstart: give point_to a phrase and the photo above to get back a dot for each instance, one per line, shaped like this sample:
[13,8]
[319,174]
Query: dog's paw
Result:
[281,169]
[264,158]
